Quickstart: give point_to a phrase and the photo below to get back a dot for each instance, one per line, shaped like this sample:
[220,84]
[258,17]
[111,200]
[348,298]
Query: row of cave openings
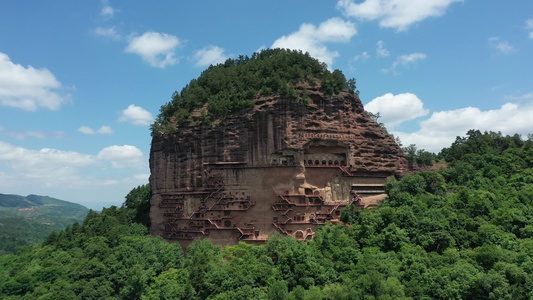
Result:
[324,163]
[314,156]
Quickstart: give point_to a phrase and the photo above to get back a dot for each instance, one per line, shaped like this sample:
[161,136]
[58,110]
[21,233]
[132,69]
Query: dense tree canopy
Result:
[229,87]
[138,199]
[464,232]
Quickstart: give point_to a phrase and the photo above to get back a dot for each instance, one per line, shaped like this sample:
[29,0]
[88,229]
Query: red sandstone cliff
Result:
[274,125]
[275,131]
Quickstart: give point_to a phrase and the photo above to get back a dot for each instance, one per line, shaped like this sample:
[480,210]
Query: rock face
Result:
[281,166]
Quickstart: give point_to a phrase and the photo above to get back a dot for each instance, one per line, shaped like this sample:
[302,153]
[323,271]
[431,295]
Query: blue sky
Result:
[80,81]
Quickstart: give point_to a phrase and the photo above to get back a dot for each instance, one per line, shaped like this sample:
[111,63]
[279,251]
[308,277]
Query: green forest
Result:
[463,232]
[29,220]
[229,87]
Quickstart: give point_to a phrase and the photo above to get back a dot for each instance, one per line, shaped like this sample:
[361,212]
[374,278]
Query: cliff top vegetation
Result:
[231,86]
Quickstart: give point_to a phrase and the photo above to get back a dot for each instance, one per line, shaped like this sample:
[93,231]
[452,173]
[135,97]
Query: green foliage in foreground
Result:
[109,256]
[138,199]
[230,87]
[465,232]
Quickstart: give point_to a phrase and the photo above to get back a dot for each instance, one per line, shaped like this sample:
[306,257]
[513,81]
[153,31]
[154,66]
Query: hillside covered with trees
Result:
[227,88]
[29,220]
[464,232]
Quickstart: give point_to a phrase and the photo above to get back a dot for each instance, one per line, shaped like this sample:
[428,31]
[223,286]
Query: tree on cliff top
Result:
[231,86]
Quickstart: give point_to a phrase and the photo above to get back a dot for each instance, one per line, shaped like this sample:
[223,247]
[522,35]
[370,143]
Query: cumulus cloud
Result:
[381,51]
[312,39]
[28,88]
[155,48]
[49,165]
[96,181]
[122,156]
[136,115]
[502,46]
[398,14]
[396,109]
[441,129]
[86,130]
[529,26]
[109,32]
[405,60]
[210,55]
[45,168]
[102,130]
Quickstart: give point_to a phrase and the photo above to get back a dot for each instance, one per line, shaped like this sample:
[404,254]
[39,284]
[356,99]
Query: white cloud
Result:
[105,130]
[524,97]
[210,55]
[72,176]
[398,14]
[86,130]
[122,156]
[22,135]
[28,88]
[33,133]
[362,57]
[441,129]
[37,134]
[142,178]
[405,60]
[155,48]
[396,109]
[45,165]
[502,46]
[529,26]
[335,30]
[55,165]
[408,59]
[312,39]
[136,115]
[109,32]
[102,130]
[381,51]
[263,47]
[107,11]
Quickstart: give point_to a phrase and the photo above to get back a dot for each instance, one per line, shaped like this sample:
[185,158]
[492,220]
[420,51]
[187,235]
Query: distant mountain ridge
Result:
[12,201]
[27,220]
